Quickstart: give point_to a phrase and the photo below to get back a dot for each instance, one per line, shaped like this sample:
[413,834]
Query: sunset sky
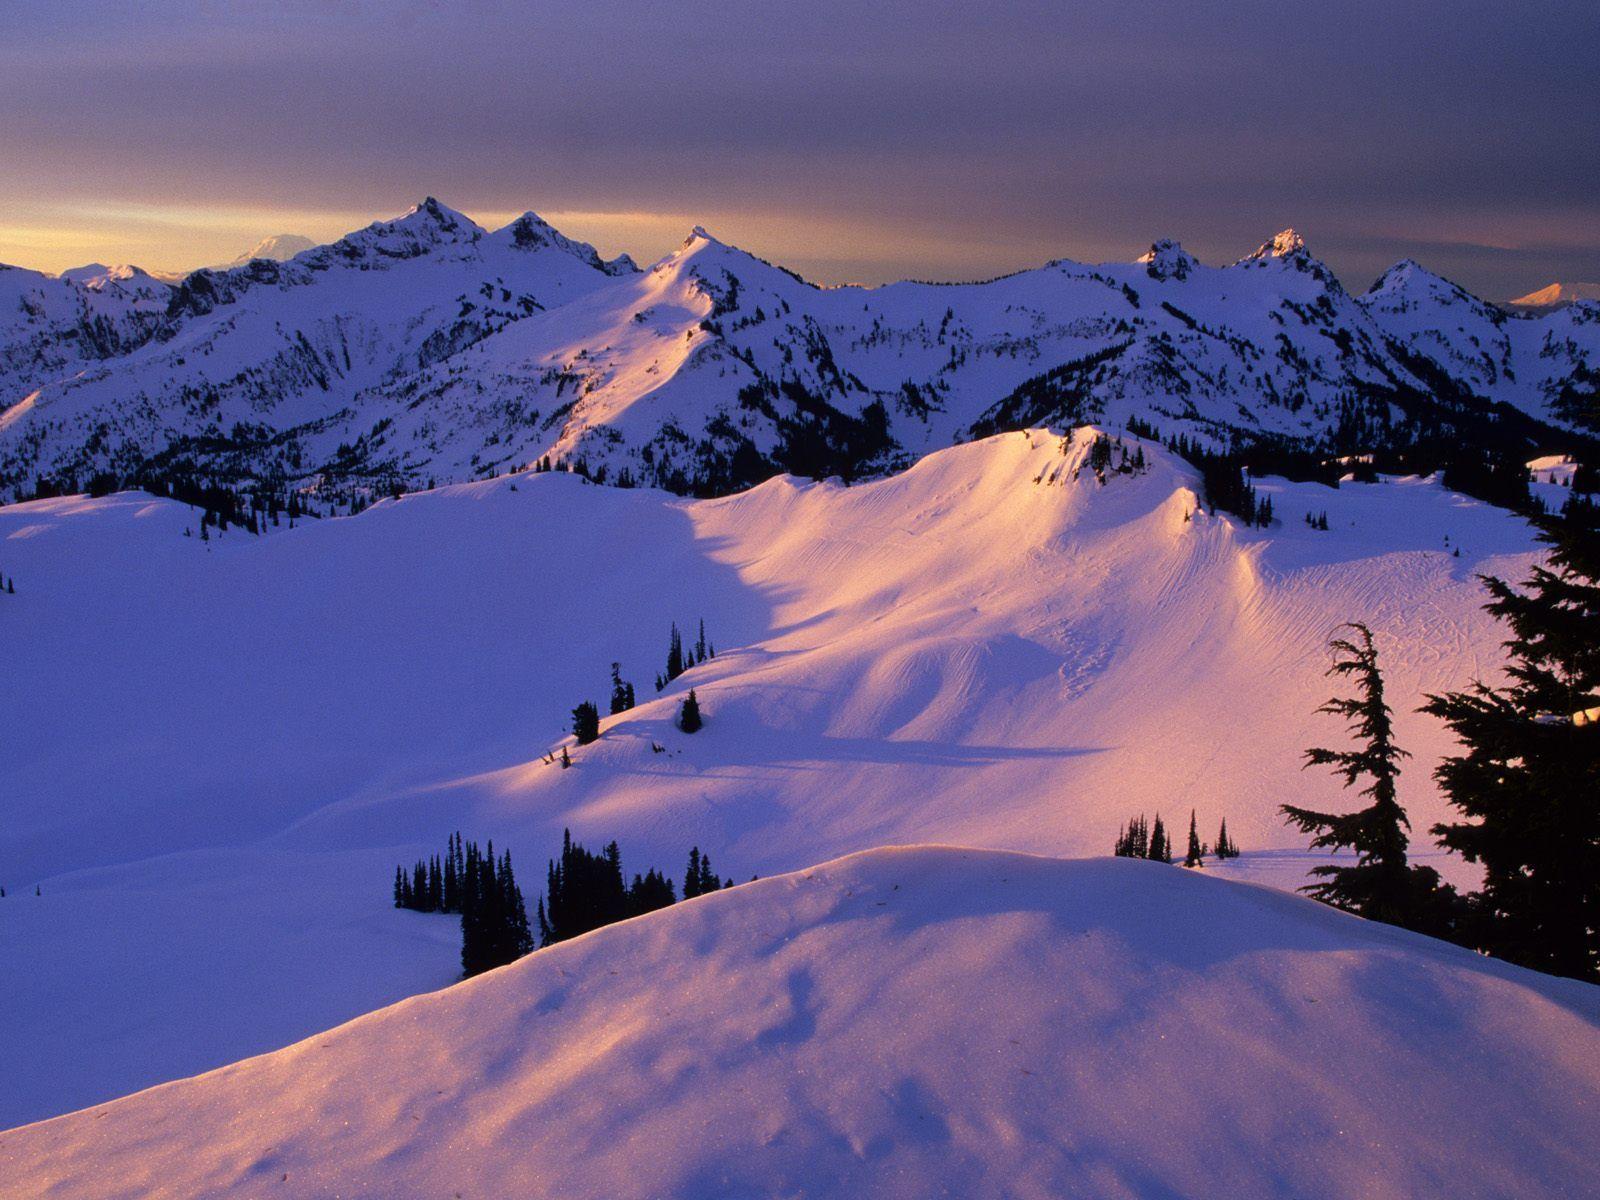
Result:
[850,141]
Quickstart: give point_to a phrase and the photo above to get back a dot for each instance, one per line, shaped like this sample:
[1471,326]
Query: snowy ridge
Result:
[992,648]
[1109,1028]
[474,353]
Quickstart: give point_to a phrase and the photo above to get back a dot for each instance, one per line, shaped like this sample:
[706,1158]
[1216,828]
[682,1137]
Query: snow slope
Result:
[226,745]
[426,349]
[910,1022]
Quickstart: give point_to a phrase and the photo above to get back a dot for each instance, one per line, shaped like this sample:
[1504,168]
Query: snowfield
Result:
[219,749]
[911,1022]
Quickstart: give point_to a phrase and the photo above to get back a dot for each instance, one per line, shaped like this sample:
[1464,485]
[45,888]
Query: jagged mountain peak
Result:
[421,228]
[1167,259]
[1410,276]
[1286,244]
[530,231]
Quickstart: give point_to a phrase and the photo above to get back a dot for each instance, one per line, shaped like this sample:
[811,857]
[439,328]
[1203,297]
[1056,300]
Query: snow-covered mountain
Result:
[427,349]
[280,247]
[226,745]
[913,1022]
[1559,293]
[52,327]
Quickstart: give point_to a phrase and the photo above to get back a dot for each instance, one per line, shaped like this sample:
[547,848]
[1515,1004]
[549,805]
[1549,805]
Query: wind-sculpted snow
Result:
[908,1022]
[221,748]
[424,349]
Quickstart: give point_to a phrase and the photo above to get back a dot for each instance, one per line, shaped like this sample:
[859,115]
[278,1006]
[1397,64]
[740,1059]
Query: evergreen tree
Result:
[1160,844]
[689,716]
[649,892]
[674,655]
[586,722]
[1196,855]
[621,691]
[1528,782]
[1134,841]
[1382,886]
[1225,847]
[701,652]
[583,891]
[566,759]
[691,877]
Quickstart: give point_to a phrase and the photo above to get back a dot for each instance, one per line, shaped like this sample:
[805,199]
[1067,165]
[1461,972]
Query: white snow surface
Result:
[217,751]
[913,1022]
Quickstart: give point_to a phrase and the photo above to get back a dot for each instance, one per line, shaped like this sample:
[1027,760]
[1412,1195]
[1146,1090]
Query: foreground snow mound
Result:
[906,1022]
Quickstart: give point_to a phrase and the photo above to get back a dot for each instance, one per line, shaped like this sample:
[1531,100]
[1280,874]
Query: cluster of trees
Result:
[584,890]
[1145,839]
[8,586]
[483,890]
[1225,481]
[1109,454]
[1140,839]
[586,715]
[1318,520]
[1526,783]
[679,660]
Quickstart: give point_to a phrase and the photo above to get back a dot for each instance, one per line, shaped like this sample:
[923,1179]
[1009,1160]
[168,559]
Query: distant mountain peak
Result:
[1166,259]
[1286,244]
[1559,293]
[530,231]
[279,247]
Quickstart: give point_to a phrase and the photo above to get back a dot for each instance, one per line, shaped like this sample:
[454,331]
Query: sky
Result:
[850,141]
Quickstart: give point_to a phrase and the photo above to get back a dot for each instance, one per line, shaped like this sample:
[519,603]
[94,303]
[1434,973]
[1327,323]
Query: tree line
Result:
[584,890]
[1143,839]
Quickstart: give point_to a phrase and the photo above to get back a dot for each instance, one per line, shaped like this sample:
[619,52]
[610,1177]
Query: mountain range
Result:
[427,349]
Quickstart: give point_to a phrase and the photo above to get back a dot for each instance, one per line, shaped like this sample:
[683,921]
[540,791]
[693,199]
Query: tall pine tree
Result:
[1528,783]
[1382,885]
[1196,853]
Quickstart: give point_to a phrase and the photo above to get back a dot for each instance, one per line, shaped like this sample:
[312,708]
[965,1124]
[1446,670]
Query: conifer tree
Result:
[689,716]
[1160,843]
[621,691]
[1527,784]
[1196,854]
[691,877]
[674,655]
[1381,886]
[1225,847]
[586,722]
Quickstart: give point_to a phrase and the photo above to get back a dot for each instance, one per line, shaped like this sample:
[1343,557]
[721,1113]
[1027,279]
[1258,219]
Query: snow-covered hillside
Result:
[425,349]
[1103,1028]
[226,745]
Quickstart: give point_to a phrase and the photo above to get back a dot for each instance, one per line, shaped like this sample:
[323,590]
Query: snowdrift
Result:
[906,1022]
